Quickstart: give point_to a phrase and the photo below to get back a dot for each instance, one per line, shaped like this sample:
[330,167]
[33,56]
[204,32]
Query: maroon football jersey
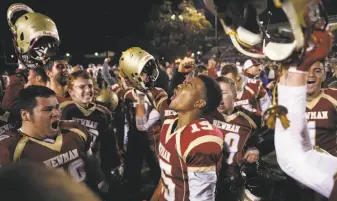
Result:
[321,114]
[170,114]
[67,151]
[236,129]
[189,158]
[160,101]
[250,95]
[96,118]
[7,122]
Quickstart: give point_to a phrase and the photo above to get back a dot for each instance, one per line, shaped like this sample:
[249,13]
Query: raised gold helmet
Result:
[139,68]
[35,35]
[108,98]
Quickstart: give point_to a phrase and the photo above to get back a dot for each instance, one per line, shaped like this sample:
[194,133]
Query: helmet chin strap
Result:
[233,36]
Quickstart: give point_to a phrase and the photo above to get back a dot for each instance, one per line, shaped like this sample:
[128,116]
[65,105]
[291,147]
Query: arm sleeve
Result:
[4,155]
[265,101]
[143,123]
[202,163]
[294,152]
[126,131]
[11,97]
[106,75]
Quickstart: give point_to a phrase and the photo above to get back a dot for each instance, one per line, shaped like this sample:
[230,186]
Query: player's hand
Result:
[271,85]
[187,65]
[107,60]
[117,173]
[211,63]
[319,48]
[251,155]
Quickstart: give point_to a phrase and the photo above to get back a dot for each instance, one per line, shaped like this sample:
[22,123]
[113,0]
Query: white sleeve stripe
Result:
[201,169]
[201,140]
[202,185]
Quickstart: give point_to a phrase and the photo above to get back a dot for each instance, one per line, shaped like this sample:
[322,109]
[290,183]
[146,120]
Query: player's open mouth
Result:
[55,125]
[311,81]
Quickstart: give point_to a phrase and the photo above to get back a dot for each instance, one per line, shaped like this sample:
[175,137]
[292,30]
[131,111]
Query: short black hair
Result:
[230,68]
[27,96]
[50,62]
[212,93]
[41,72]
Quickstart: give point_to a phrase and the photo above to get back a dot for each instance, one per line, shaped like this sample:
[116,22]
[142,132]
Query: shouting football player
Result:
[237,125]
[295,154]
[321,110]
[190,148]
[43,138]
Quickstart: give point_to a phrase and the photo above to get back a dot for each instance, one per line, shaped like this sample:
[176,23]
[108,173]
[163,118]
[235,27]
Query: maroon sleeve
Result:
[5,157]
[11,97]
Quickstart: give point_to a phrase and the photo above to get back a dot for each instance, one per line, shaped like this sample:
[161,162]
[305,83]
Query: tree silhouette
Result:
[173,33]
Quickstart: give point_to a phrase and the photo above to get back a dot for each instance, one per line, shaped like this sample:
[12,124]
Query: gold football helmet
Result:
[139,68]
[108,98]
[35,35]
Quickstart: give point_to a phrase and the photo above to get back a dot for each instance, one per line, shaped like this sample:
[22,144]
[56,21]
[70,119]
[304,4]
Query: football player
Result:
[250,93]
[321,110]
[295,154]
[36,76]
[190,148]
[57,70]
[140,71]
[96,118]
[43,138]
[236,125]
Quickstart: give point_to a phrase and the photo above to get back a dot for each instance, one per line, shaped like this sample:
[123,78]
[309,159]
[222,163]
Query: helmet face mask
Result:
[152,73]
[43,47]
[35,35]
[139,68]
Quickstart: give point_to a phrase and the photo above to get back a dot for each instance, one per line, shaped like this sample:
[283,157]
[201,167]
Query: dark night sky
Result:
[84,25]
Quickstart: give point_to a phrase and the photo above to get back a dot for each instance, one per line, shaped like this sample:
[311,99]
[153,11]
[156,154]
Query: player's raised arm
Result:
[294,151]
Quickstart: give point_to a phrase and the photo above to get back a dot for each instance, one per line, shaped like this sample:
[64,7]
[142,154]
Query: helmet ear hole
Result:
[22,37]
